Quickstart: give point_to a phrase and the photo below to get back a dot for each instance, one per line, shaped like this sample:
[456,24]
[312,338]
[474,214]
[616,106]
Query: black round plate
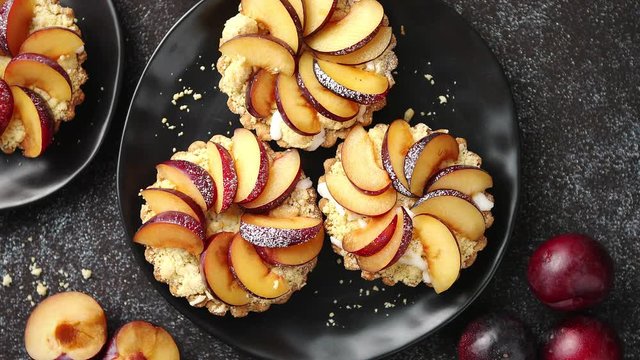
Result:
[25,180]
[437,42]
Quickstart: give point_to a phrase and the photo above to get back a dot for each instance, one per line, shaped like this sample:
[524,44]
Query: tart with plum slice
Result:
[406,204]
[41,57]
[231,225]
[304,72]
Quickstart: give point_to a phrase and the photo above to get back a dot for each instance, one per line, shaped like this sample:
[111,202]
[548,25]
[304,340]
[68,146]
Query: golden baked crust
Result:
[235,75]
[50,13]
[339,222]
[180,270]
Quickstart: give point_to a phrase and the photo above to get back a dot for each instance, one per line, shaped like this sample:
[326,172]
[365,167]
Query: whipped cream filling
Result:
[304,184]
[276,126]
[413,258]
[317,140]
[335,241]
[482,201]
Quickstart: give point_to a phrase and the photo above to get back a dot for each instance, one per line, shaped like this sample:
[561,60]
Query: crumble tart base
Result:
[180,270]
[340,221]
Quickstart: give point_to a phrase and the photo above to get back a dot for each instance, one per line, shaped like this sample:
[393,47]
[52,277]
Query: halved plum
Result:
[252,165]
[217,273]
[316,14]
[37,120]
[296,111]
[262,51]
[68,325]
[361,86]
[455,209]
[424,158]
[224,175]
[252,273]
[360,163]
[351,32]
[28,70]
[172,229]
[441,249]
[163,200]
[261,93]
[395,147]
[324,101]
[350,197]
[52,42]
[190,179]
[276,232]
[140,340]
[395,248]
[273,15]
[466,179]
[284,174]
[371,51]
[294,255]
[372,238]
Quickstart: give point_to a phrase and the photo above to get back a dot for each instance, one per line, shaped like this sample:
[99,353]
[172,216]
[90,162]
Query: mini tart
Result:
[411,268]
[181,270]
[50,14]
[237,74]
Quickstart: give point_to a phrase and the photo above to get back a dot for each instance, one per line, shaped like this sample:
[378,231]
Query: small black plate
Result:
[25,180]
[479,107]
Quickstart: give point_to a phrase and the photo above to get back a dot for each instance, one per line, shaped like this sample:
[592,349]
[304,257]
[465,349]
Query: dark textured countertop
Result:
[573,67]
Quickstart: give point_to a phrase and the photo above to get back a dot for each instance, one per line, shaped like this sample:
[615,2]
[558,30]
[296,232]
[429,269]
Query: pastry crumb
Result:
[442,99]
[41,289]
[403,31]
[7,280]
[408,115]
[86,273]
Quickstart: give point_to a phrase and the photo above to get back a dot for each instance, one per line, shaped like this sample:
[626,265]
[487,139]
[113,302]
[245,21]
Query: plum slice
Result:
[252,165]
[424,158]
[15,20]
[395,147]
[6,106]
[395,248]
[172,229]
[316,14]
[37,120]
[360,163]
[29,70]
[262,51]
[190,179]
[217,273]
[68,325]
[163,200]
[455,209]
[273,15]
[350,197]
[276,232]
[261,95]
[296,111]
[466,179]
[224,175]
[441,249]
[52,42]
[361,86]
[371,51]
[372,238]
[294,255]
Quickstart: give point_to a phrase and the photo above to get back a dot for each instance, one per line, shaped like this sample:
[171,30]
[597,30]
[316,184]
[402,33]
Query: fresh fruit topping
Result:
[371,51]
[163,200]
[296,11]
[274,16]
[570,272]
[294,255]
[52,42]
[6,106]
[441,249]
[351,32]
[190,179]
[296,111]
[37,119]
[224,176]
[360,163]
[172,229]
[249,269]
[395,248]
[496,336]
[455,209]
[252,165]
[140,340]
[347,195]
[424,158]
[217,274]
[261,93]
[361,86]
[69,325]
[581,338]
[373,237]
[316,14]
[395,147]
[15,20]
[262,51]
[275,232]
[467,179]
[324,101]
[284,174]
[29,70]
